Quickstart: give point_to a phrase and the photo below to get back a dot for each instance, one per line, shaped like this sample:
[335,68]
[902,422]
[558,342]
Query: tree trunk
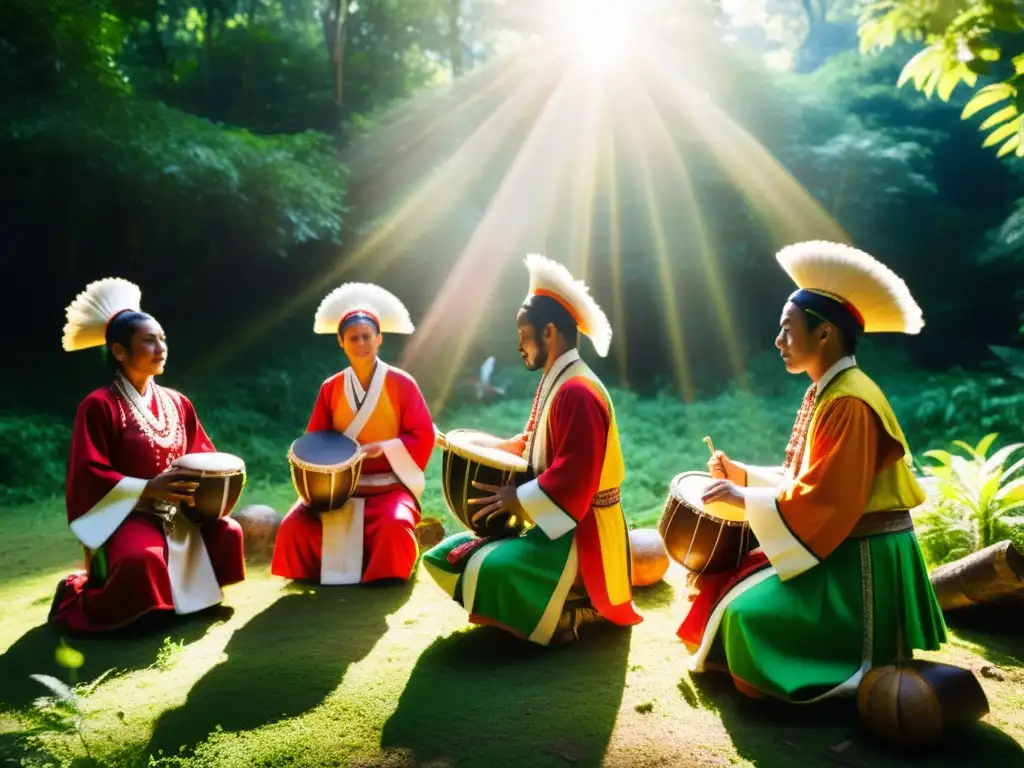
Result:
[454,36]
[333,18]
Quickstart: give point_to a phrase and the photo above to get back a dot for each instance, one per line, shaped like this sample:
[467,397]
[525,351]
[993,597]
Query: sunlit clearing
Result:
[597,32]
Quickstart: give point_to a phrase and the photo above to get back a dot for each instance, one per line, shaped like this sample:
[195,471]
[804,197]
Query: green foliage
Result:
[977,498]
[963,41]
[278,191]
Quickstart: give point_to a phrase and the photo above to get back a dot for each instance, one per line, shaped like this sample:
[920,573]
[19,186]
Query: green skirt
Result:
[519,584]
[870,603]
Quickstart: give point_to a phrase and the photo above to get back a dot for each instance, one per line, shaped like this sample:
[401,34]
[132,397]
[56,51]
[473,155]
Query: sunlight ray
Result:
[789,211]
[666,148]
[431,197]
[680,364]
[615,248]
[583,193]
[495,242]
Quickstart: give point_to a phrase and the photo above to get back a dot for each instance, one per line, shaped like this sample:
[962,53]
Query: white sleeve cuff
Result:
[548,516]
[761,477]
[403,465]
[786,552]
[99,523]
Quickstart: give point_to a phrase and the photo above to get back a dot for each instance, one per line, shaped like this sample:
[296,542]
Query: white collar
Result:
[840,365]
[145,398]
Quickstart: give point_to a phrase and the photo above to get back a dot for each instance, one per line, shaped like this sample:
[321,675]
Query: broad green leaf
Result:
[986,97]
[1011,144]
[939,455]
[1012,492]
[949,81]
[920,64]
[986,442]
[1001,133]
[997,117]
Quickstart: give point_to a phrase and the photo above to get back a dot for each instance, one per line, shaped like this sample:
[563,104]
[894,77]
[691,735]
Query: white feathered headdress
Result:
[93,309]
[382,305]
[869,290]
[549,278]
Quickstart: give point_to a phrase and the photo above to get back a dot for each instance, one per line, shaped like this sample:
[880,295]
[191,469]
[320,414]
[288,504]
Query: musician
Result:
[572,567]
[372,537]
[838,583]
[122,497]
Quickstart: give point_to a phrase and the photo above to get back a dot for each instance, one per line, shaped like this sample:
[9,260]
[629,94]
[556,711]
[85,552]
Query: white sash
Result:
[341,555]
[193,581]
[538,456]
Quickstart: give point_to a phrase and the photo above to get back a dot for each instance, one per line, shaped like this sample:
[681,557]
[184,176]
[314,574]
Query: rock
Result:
[993,673]
[429,532]
[259,530]
[650,558]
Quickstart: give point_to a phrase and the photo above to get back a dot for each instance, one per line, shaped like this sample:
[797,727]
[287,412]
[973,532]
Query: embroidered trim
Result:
[163,429]
[608,498]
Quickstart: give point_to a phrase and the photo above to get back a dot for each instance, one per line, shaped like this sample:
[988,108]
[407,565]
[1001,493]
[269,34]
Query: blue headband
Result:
[358,318]
[835,310]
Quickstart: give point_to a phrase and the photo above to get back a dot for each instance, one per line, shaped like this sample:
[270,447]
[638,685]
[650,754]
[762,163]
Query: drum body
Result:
[465,462]
[221,479]
[325,467]
[703,539]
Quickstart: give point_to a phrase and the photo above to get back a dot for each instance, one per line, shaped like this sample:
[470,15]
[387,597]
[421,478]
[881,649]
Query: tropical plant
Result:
[963,41]
[976,498]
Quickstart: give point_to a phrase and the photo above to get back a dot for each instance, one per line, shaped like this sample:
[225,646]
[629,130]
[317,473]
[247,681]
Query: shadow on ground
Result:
[282,663]
[771,734]
[521,704]
[125,650]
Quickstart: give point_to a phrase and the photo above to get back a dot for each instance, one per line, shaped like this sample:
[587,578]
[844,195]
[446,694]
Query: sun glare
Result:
[597,32]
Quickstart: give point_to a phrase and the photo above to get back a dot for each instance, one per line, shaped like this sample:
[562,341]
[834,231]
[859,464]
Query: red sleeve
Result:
[90,474]
[416,424]
[322,417]
[562,494]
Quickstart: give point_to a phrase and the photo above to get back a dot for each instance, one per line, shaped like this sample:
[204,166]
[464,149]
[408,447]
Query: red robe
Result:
[390,484]
[113,454]
[583,456]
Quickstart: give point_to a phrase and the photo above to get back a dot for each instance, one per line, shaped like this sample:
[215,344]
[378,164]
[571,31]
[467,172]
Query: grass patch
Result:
[284,675]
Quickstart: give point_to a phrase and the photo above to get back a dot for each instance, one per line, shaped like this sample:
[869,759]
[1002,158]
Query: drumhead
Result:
[688,487]
[324,450]
[461,443]
[211,462]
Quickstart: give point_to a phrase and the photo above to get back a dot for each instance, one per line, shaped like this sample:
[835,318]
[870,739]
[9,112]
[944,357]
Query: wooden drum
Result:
[325,469]
[221,477]
[465,460]
[703,538]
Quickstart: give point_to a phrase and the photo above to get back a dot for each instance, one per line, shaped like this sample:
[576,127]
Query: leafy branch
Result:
[963,41]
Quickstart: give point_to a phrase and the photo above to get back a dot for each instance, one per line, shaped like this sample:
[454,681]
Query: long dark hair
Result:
[120,331]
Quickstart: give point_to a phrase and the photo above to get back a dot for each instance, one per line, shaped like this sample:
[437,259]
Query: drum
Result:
[464,462]
[221,479]
[703,538]
[325,469]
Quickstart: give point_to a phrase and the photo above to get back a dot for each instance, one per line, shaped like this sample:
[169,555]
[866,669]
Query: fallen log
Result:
[986,576]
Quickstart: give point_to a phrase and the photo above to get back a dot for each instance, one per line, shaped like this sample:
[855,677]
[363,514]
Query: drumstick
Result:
[711,446]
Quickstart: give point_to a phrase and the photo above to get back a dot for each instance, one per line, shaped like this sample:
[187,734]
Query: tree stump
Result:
[650,558]
[259,530]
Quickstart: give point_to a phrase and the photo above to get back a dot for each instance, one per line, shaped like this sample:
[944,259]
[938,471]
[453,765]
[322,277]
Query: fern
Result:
[959,47]
[977,496]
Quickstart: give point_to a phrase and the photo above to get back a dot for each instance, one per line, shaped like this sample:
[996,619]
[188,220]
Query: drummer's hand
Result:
[722,467]
[504,500]
[515,445]
[724,490]
[372,450]
[174,486]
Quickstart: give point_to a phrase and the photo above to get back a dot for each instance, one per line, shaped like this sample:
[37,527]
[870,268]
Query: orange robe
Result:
[390,486]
